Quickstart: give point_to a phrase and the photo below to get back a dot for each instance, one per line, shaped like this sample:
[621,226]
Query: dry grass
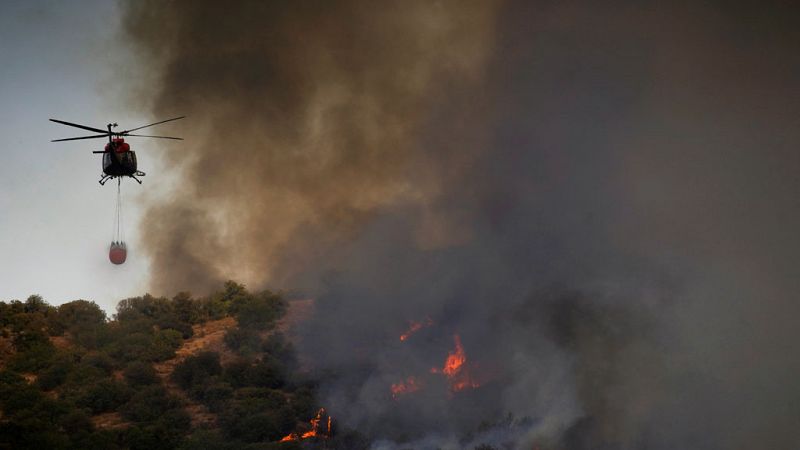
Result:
[207,337]
[109,420]
[61,342]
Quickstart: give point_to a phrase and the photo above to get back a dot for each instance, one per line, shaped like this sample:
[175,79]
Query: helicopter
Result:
[118,161]
[118,158]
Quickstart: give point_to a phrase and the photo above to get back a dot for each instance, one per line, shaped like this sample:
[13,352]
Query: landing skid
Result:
[104,178]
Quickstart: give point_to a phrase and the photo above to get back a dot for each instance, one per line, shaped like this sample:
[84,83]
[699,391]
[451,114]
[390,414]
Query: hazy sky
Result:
[64,60]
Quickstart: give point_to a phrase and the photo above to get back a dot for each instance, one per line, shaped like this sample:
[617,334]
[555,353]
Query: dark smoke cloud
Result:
[601,201]
[309,117]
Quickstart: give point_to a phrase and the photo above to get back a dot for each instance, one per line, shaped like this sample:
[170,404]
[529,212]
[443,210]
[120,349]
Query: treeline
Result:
[65,367]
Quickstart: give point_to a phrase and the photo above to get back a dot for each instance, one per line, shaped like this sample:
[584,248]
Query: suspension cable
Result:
[121,223]
[118,228]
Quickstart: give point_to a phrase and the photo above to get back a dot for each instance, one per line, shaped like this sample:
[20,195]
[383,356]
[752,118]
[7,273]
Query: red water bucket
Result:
[117,253]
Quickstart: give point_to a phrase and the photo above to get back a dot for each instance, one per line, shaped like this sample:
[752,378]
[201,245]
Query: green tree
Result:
[34,350]
[241,340]
[214,394]
[35,303]
[130,347]
[233,295]
[147,305]
[83,320]
[105,395]
[278,347]
[140,373]
[56,372]
[149,404]
[163,345]
[260,312]
[99,360]
[187,309]
[257,415]
[197,370]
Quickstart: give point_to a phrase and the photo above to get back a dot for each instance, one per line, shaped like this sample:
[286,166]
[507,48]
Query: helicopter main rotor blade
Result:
[82,137]
[96,130]
[150,125]
[159,137]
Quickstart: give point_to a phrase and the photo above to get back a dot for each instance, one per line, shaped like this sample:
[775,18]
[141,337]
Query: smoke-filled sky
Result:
[599,199]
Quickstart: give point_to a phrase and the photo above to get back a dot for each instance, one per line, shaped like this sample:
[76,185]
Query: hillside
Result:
[211,372]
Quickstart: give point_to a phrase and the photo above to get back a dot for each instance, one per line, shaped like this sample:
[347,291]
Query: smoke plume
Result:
[600,201]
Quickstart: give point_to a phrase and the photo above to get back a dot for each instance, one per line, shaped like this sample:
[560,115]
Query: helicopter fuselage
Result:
[119,161]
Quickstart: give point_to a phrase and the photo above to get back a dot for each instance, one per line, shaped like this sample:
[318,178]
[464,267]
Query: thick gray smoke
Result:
[600,201]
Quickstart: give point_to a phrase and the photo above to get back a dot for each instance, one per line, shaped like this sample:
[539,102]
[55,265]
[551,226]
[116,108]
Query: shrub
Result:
[196,370]
[276,346]
[100,361]
[147,305]
[152,436]
[35,355]
[55,374]
[267,373]
[139,373]
[130,347]
[242,340]
[83,374]
[103,396]
[187,310]
[163,345]
[172,323]
[303,403]
[76,421]
[84,321]
[260,312]
[214,394]
[149,404]
[208,440]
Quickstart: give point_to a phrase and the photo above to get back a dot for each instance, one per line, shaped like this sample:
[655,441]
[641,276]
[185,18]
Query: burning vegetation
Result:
[321,426]
[455,368]
[411,384]
[416,326]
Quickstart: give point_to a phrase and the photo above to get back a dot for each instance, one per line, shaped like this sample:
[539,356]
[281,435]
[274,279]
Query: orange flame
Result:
[411,384]
[320,427]
[455,369]
[455,359]
[416,326]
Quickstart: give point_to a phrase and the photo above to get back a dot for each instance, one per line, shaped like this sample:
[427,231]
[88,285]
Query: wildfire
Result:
[416,326]
[455,359]
[320,428]
[411,384]
[455,369]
